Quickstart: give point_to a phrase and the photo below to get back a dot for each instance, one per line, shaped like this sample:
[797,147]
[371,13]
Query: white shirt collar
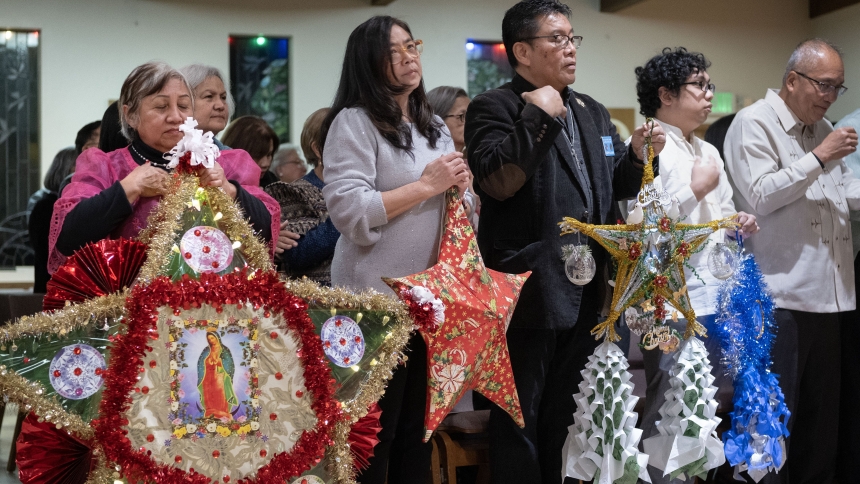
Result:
[786,116]
[678,135]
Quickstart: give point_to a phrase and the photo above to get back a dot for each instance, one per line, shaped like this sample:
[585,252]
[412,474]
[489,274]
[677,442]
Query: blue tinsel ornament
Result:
[745,328]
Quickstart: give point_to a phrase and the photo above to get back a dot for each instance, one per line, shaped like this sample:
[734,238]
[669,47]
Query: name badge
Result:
[608,147]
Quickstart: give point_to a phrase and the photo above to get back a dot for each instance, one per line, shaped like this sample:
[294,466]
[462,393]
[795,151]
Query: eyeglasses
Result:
[413,48]
[559,41]
[823,87]
[460,117]
[704,87]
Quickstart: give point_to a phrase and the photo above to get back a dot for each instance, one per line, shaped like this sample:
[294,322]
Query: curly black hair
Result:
[670,69]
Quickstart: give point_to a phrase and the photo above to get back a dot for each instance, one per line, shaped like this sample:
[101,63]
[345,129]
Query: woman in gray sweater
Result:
[388,162]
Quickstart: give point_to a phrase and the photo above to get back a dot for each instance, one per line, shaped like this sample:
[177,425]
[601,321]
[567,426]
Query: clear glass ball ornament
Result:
[721,261]
[580,267]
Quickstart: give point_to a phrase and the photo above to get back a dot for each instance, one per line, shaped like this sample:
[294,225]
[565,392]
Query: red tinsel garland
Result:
[264,290]
[422,314]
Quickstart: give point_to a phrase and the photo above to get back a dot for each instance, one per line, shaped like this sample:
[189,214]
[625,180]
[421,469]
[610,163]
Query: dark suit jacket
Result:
[527,180]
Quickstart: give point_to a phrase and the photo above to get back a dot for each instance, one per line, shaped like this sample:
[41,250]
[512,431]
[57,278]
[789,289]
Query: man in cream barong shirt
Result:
[784,161]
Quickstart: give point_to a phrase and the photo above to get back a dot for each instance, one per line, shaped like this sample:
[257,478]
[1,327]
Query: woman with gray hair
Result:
[450,103]
[112,194]
[213,104]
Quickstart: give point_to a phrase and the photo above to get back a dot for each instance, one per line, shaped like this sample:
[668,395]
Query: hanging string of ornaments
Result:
[651,252]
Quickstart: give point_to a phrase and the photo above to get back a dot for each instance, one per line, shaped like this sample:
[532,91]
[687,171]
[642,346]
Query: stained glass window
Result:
[487,66]
[260,80]
[19,141]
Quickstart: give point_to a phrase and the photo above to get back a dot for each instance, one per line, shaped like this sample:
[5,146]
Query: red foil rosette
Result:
[97,269]
[364,436]
[49,456]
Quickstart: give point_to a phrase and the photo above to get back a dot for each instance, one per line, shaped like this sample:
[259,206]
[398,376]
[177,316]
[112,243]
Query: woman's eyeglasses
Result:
[413,48]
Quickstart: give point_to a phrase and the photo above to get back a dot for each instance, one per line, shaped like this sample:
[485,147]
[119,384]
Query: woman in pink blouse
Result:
[112,194]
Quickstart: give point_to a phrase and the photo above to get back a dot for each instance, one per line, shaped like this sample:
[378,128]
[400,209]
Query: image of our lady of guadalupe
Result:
[215,379]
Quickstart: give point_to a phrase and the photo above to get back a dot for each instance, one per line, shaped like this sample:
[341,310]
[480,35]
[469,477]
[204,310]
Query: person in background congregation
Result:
[311,234]
[784,161]
[849,329]
[450,104]
[539,152]
[287,164]
[39,224]
[388,162]
[254,135]
[110,133]
[88,136]
[213,103]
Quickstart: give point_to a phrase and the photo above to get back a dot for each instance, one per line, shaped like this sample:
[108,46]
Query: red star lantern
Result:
[468,350]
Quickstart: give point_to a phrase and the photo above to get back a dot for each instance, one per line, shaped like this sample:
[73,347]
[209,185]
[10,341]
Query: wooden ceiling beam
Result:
[611,6]
[821,7]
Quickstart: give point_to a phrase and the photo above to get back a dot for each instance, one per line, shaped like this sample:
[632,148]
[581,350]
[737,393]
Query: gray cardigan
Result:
[359,165]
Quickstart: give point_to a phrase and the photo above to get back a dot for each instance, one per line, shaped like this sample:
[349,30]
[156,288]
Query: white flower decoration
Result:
[203,150]
[191,428]
[422,295]
[255,426]
[211,427]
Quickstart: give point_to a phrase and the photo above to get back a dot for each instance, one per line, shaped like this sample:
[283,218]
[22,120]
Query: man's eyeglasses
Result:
[560,41]
[823,87]
[460,117]
[413,48]
[701,85]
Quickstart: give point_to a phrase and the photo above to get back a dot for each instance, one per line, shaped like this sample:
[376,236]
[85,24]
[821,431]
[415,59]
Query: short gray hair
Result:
[145,80]
[196,74]
[442,99]
[281,154]
[803,57]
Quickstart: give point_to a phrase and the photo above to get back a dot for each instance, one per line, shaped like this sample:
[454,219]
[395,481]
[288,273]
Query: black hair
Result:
[111,137]
[364,83]
[62,166]
[522,21]
[670,69]
[716,133]
[84,135]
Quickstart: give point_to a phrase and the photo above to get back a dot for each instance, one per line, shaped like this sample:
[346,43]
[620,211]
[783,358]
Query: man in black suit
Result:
[540,151]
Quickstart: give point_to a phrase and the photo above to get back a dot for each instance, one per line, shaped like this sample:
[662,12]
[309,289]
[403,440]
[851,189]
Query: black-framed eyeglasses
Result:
[559,41]
[459,117]
[823,87]
[701,85]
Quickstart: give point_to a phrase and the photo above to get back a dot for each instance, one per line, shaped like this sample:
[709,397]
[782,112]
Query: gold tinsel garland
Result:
[340,458]
[61,322]
[236,226]
[162,225]
[29,396]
